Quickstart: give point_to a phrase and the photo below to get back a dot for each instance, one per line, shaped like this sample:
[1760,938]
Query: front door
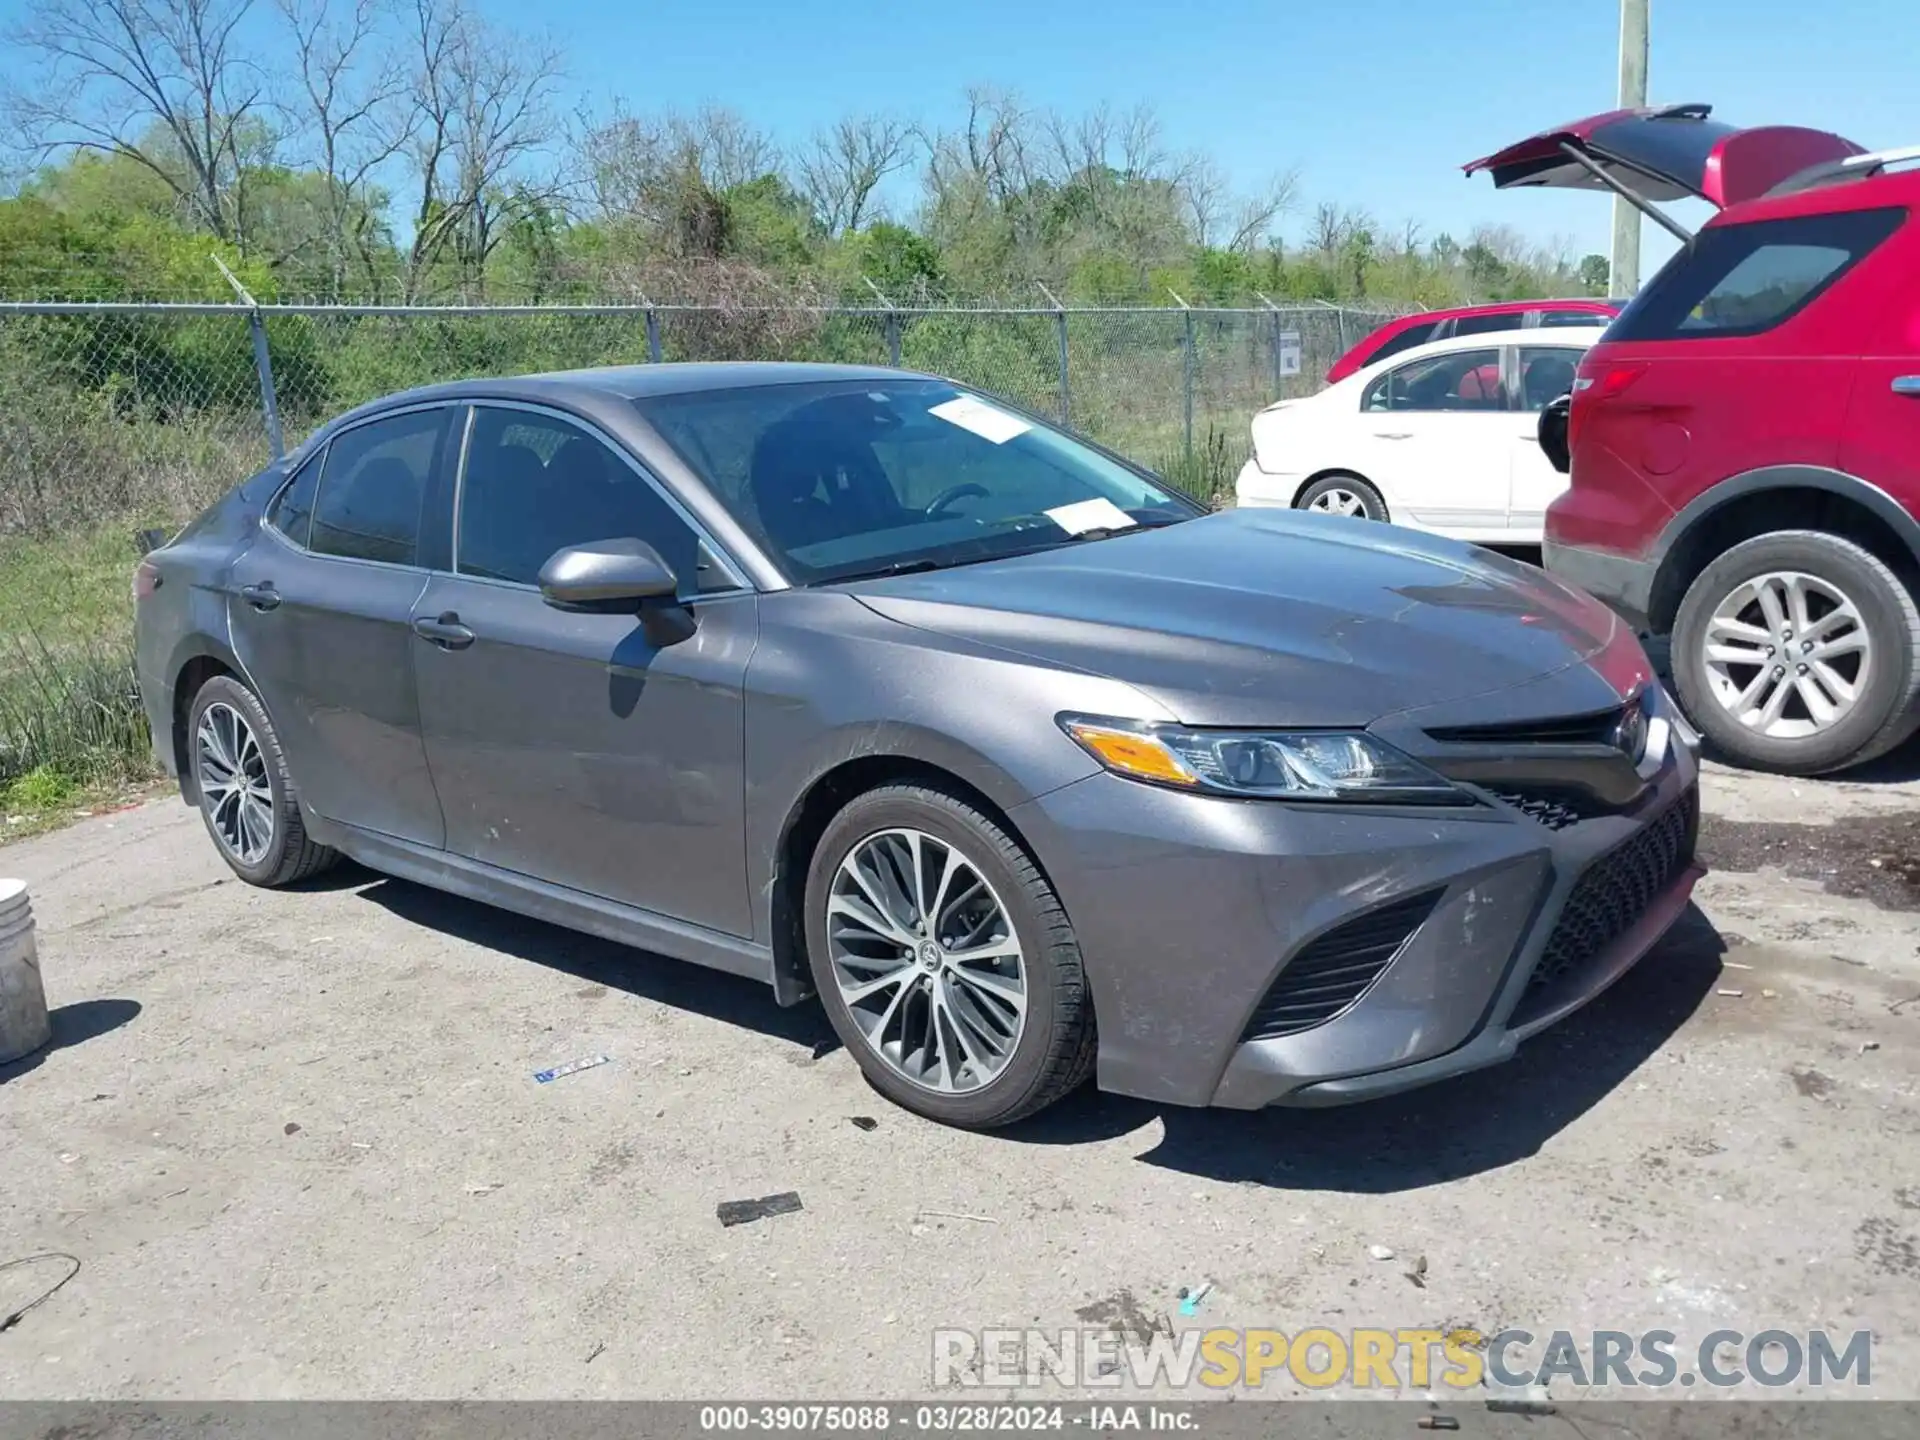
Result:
[1435,430]
[321,608]
[568,747]
[1545,373]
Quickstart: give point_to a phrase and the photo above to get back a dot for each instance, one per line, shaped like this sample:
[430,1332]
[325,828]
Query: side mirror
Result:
[1552,431]
[606,577]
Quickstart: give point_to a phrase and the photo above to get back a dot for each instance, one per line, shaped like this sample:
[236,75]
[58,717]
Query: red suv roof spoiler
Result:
[1668,152]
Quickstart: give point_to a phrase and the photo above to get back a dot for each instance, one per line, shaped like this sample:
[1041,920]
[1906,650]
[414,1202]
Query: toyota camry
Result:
[882,691]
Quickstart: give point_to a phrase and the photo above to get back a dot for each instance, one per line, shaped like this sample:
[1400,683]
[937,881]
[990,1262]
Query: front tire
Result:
[945,961]
[246,794]
[1799,652]
[1343,495]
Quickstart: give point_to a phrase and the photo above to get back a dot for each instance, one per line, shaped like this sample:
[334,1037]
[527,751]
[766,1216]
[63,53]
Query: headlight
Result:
[1287,765]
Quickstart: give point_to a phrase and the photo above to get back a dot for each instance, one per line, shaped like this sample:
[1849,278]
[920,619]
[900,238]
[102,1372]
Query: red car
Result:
[1411,330]
[1744,441]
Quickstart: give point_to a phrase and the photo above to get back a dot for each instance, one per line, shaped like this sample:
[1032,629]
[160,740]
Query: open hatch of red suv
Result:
[1744,442]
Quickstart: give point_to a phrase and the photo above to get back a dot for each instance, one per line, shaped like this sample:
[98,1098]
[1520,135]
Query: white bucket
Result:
[24,1023]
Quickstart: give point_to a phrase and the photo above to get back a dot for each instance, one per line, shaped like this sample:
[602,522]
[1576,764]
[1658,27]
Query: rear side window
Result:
[1746,279]
[291,512]
[1488,324]
[369,505]
[1408,338]
[1567,319]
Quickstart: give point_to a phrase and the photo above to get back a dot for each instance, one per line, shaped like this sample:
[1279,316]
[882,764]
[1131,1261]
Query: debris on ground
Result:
[1866,1045]
[1190,1299]
[864,1122]
[741,1212]
[1769,994]
[572,1067]
[955,1215]
[7,1322]
[597,1351]
[1522,1407]
[292,1127]
[1437,1422]
[1731,994]
[1380,1252]
[1418,1274]
[485,1188]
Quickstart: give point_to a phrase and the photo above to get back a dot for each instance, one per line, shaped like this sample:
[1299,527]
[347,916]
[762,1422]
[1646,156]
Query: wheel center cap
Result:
[929,955]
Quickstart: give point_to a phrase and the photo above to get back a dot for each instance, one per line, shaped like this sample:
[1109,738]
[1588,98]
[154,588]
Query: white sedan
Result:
[1441,437]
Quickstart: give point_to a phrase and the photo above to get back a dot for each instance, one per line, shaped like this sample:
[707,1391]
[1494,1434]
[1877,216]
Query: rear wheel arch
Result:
[1787,497]
[190,676]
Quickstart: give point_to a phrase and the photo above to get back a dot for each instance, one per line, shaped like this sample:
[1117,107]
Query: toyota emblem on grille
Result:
[1630,735]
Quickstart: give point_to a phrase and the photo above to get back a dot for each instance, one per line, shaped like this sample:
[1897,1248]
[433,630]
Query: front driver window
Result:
[1463,380]
[535,484]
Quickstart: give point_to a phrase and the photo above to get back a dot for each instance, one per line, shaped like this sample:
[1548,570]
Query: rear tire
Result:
[1343,495]
[1799,652]
[246,795]
[943,1041]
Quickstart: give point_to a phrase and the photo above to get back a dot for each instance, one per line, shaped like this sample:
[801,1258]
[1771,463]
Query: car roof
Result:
[1576,336]
[1510,307]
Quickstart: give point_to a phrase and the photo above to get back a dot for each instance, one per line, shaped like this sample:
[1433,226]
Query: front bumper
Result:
[1189,909]
[1622,583]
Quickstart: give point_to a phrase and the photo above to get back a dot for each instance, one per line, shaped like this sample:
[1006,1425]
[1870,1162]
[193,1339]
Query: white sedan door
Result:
[1546,373]
[1436,433]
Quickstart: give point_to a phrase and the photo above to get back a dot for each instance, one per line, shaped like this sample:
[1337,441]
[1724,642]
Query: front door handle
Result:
[261,596]
[446,631]
[1907,385]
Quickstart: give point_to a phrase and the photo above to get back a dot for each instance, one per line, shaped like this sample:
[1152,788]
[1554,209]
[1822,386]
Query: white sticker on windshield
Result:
[982,419]
[1085,515]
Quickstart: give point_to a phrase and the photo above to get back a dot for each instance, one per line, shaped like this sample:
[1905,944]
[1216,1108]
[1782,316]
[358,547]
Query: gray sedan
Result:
[882,691]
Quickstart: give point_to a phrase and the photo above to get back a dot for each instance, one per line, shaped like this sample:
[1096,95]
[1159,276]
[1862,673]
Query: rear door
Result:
[321,607]
[1881,444]
[570,747]
[1665,153]
[1543,373]
[1433,432]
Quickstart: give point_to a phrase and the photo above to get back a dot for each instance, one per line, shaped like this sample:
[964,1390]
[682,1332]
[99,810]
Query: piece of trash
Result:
[67,1157]
[740,1212]
[918,1230]
[1731,994]
[360,1144]
[1418,1274]
[290,1128]
[1380,1252]
[1769,994]
[1190,1303]
[173,1194]
[1437,1422]
[572,1067]
[485,1189]
[103,1095]
[1523,1407]
[1875,863]
[597,1351]
[1734,965]
[956,1215]
[864,1122]
[1866,1045]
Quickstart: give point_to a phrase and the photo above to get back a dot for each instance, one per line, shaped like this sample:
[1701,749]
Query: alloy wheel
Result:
[927,960]
[1339,501]
[231,770]
[1787,654]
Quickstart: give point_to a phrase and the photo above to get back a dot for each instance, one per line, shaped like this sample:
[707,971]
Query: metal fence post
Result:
[1188,361]
[892,323]
[1060,335]
[262,363]
[1273,340]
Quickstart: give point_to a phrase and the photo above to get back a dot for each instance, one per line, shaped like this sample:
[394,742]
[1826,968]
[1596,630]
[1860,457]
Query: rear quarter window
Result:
[1746,279]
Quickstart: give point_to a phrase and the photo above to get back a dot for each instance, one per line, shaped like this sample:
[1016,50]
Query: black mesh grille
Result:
[1617,888]
[1332,972]
[1594,728]
[1552,808]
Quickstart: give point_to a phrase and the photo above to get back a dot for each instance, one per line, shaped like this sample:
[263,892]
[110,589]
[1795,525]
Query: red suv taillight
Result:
[146,579]
[1596,381]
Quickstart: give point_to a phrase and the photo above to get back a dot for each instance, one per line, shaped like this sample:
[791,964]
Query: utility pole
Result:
[1623,269]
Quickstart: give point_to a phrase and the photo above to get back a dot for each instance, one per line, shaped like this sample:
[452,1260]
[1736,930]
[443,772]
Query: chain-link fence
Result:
[110,411]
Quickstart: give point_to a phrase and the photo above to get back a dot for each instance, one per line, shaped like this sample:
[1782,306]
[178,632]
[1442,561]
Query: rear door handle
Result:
[446,631]
[1907,385]
[261,596]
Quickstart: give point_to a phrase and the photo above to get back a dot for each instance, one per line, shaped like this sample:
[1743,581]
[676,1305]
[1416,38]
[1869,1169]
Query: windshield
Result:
[862,477]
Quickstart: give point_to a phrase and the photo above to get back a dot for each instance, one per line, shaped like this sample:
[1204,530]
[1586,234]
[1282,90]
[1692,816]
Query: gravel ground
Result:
[296,1142]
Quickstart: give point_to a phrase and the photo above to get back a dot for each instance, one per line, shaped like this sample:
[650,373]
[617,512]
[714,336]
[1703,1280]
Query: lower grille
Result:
[1331,972]
[1552,808]
[1617,888]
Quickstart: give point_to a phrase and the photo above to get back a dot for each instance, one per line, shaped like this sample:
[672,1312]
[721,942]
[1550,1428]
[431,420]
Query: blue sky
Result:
[1375,104]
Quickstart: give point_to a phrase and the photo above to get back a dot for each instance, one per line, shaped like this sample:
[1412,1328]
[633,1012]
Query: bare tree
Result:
[482,111]
[843,166]
[344,112]
[1256,214]
[164,83]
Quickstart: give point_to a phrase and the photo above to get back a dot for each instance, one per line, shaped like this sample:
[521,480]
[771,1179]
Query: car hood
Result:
[1268,617]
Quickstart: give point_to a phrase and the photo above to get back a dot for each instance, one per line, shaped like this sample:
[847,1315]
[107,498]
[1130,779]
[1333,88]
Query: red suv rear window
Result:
[1745,279]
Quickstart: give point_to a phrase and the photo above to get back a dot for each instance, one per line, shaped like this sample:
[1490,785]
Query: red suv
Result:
[1744,441]
[1411,330]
